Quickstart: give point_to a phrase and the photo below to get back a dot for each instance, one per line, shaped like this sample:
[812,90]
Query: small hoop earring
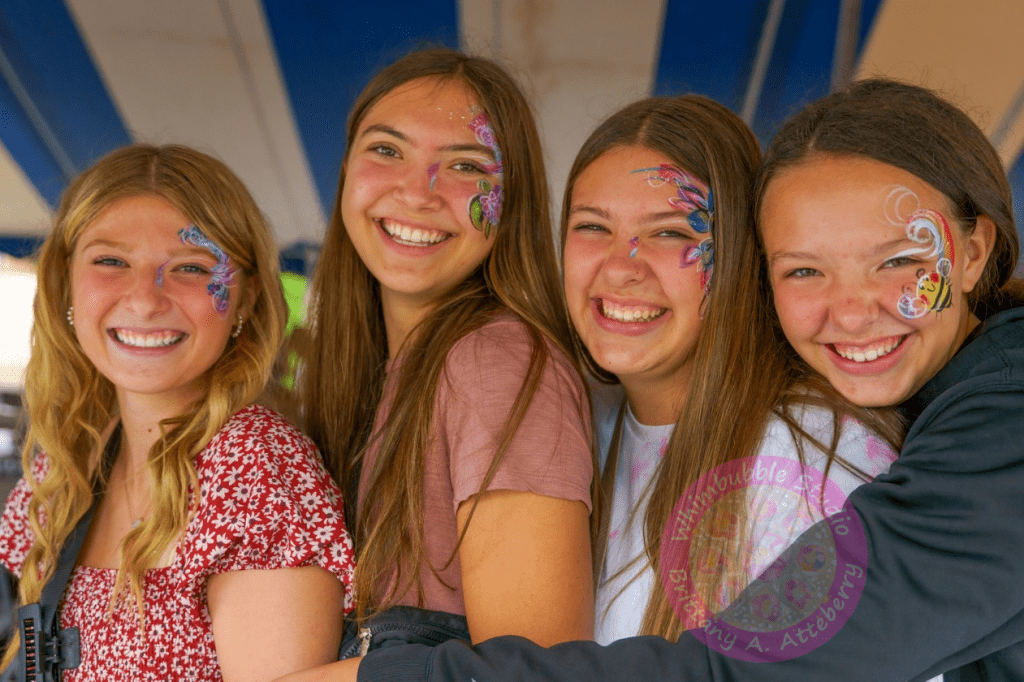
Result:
[238,329]
[71,315]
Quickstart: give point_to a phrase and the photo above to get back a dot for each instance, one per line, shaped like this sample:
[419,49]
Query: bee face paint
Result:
[931,230]
[485,207]
[695,196]
[222,276]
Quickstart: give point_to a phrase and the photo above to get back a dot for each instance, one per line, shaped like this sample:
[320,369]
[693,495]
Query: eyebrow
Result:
[879,250]
[183,250]
[457,148]
[646,220]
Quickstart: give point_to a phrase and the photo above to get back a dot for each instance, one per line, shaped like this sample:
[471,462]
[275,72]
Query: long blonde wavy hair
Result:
[342,380]
[70,405]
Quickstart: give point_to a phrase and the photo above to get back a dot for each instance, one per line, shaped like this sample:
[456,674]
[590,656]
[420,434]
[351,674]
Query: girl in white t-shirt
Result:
[656,195]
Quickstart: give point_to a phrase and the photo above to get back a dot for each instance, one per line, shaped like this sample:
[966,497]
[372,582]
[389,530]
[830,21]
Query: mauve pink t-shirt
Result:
[549,454]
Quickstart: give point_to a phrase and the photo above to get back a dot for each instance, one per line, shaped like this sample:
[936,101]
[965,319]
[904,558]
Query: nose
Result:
[854,306]
[146,295]
[418,186]
[625,263]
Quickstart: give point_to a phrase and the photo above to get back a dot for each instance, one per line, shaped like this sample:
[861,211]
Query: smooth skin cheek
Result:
[261,621]
[835,253]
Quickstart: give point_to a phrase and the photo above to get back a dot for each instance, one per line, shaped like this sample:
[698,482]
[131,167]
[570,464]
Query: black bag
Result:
[402,625]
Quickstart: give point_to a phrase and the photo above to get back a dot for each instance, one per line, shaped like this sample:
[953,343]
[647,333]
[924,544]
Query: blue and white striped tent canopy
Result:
[265,85]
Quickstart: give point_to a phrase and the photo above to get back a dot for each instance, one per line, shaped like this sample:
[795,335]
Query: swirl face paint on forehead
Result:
[929,228]
[691,194]
[222,275]
[485,208]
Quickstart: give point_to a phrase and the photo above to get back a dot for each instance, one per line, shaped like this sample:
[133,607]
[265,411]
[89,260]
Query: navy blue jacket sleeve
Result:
[944,585]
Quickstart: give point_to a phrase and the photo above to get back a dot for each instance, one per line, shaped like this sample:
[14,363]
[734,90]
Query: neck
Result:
[655,402]
[140,422]
[400,317]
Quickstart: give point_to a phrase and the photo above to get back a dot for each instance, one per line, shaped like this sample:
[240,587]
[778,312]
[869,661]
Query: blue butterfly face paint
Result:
[694,195]
[222,276]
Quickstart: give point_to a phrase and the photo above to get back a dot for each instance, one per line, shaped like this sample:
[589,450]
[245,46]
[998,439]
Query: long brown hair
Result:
[731,397]
[70,404]
[343,377]
[915,129]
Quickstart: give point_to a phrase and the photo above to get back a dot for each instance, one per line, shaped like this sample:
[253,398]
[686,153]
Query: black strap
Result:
[611,464]
[45,650]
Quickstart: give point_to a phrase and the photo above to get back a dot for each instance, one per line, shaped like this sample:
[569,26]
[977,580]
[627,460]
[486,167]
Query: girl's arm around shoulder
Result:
[279,574]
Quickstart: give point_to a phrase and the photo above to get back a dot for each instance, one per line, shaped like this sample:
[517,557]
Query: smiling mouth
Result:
[409,236]
[868,353]
[629,313]
[148,339]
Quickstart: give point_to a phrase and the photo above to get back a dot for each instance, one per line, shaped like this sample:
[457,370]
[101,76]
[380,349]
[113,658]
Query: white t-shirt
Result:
[777,521]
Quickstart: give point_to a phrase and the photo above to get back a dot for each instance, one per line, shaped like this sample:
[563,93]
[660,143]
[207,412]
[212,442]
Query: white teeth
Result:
[150,340]
[630,313]
[869,355]
[413,236]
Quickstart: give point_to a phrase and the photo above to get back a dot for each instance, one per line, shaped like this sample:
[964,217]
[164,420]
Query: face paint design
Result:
[929,228]
[222,276]
[634,244]
[485,208]
[691,194]
[160,275]
[432,174]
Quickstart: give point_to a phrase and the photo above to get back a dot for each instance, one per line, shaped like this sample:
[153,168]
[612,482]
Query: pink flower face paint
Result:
[432,173]
[929,228]
[485,208]
[634,243]
[222,275]
[694,195]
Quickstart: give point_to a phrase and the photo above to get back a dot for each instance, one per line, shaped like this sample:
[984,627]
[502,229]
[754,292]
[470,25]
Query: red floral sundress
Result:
[266,502]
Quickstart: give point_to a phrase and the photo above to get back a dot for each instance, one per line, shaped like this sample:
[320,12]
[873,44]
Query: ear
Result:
[976,251]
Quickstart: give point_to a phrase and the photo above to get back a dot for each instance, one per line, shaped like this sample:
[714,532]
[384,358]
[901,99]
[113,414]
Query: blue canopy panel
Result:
[702,53]
[328,52]
[56,116]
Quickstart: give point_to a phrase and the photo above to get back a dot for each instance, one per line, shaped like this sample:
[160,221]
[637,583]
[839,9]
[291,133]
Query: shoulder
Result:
[499,354]
[857,445]
[259,442]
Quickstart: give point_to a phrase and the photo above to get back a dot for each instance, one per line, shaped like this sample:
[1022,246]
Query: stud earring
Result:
[238,329]
[71,315]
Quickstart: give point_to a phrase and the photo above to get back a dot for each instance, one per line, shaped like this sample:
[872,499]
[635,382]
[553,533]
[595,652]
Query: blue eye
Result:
[108,261]
[801,273]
